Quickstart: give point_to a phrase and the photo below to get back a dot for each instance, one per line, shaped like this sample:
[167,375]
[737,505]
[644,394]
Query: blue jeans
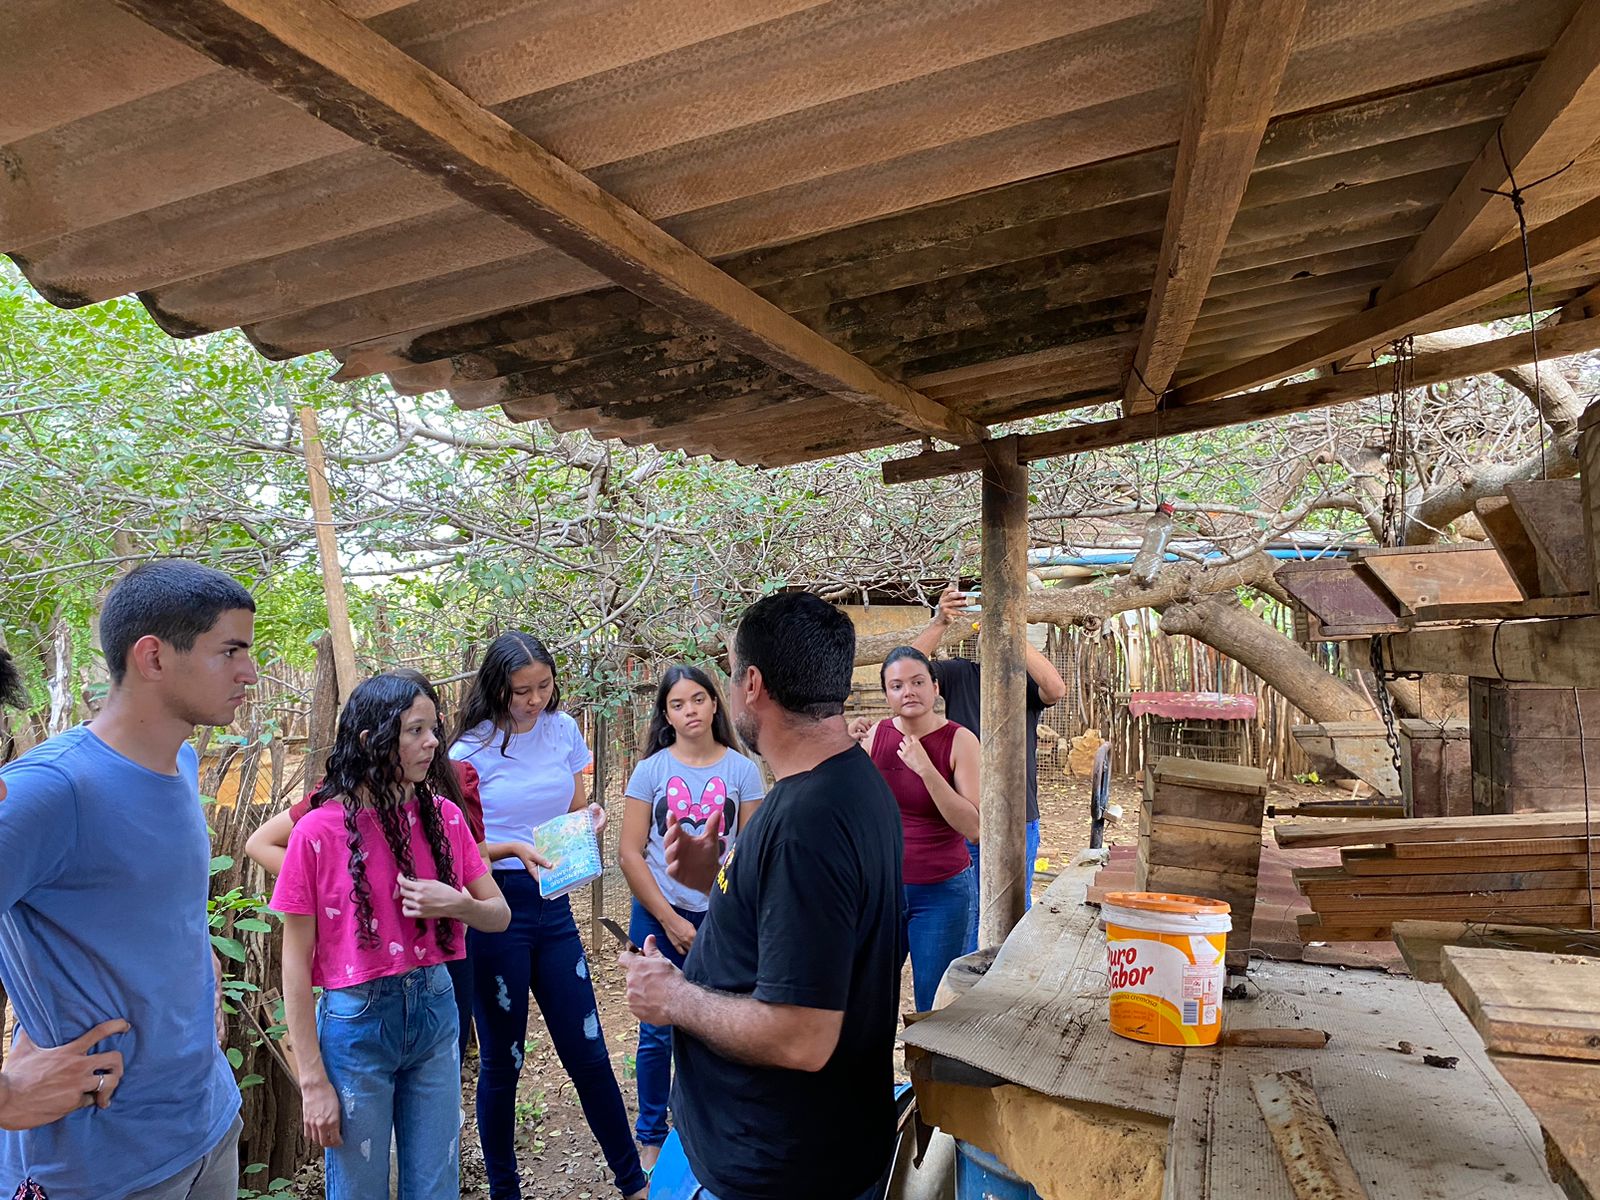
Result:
[461,983]
[540,952]
[937,915]
[389,1046]
[653,1066]
[1033,857]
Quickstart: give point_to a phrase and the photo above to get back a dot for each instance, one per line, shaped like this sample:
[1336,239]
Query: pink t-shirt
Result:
[316,882]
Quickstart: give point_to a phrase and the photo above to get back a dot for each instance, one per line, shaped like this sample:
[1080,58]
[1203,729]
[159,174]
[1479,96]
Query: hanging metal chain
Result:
[1391,731]
[1392,530]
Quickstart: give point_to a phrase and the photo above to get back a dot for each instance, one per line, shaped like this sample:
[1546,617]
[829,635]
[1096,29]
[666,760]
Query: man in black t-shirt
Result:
[960,683]
[784,1014]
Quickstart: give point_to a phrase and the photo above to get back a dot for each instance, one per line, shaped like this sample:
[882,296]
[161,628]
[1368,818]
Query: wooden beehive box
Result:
[1435,768]
[1200,835]
[1529,744]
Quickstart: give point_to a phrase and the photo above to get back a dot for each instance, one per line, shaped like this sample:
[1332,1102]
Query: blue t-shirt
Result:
[672,788]
[104,874]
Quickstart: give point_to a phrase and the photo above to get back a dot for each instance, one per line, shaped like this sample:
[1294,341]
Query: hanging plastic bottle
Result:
[1153,551]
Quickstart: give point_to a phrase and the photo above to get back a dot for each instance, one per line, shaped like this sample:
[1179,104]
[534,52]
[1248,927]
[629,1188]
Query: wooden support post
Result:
[597,889]
[1002,632]
[344,647]
[323,720]
[1589,470]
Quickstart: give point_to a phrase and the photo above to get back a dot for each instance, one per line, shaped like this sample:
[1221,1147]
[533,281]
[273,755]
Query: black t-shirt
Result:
[806,911]
[958,680]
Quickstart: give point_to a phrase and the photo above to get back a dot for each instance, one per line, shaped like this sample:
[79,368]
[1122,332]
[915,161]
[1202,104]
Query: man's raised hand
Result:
[693,859]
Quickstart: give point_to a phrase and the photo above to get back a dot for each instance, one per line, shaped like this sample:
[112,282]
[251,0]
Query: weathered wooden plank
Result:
[1551,124]
[1551,511]
[1422,943]
[1240,57]
[1002,643]
[1359,747]
[1510,540]
[1456,291]
[1522,1002]
[1574,901]
[1526,827]
[1589,470]
[354,80]
[1312,927]
[1360,863]
[1251,406]
[1518,879]
[1514,610]
[1333,593]
[1315,1162]
[1427,575]
[1561,1093]
[1558,653]
[1498,847]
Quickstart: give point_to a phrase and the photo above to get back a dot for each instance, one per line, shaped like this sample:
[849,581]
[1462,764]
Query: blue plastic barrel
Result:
[982,1176]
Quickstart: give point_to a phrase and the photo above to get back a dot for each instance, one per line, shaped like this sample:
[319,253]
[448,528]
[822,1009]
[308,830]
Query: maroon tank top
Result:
[934,850]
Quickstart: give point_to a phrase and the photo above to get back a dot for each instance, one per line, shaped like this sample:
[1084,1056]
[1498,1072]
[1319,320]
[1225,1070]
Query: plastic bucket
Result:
[982,1176]
[1164,956]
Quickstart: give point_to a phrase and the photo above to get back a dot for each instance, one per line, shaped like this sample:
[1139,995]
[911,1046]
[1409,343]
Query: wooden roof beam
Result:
[1239,62]
[1552,123]
[1571,337]
[1430,304]
[353,79]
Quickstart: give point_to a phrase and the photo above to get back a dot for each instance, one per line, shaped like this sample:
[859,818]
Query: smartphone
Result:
[622,938]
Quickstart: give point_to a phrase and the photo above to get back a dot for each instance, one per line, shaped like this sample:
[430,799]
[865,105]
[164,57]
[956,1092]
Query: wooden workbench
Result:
[1024,1066]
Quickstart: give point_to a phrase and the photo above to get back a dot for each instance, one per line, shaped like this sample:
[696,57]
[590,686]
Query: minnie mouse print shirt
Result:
[691,794]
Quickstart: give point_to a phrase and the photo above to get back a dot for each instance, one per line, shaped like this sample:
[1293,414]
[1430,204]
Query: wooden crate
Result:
[1526,749]
[1435,768]
[1589,473]
[1200,834]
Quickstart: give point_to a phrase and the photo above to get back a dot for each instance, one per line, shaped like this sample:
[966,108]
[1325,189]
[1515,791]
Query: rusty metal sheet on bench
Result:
[1038,1018]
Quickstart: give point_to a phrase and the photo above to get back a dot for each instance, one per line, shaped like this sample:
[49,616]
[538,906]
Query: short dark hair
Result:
[805,649]
[173,599]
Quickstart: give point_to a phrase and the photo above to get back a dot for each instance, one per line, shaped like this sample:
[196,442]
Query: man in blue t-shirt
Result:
[115,1087]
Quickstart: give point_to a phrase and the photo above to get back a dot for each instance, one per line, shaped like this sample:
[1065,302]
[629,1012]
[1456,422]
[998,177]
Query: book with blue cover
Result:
[569,844]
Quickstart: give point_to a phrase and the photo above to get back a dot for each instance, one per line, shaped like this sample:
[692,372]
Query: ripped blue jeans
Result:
[540,954]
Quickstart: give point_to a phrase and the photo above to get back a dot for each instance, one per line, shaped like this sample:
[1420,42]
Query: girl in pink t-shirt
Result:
[379,877]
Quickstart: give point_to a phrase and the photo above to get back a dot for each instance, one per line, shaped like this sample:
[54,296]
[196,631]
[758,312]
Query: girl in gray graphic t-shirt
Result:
[692,773]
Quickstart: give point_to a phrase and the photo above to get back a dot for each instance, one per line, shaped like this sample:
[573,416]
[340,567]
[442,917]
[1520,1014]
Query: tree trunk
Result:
[1222,623]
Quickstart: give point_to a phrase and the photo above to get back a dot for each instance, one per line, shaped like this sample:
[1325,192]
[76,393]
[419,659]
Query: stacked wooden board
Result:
[1200,835]
[1539,1017]
[1531,869]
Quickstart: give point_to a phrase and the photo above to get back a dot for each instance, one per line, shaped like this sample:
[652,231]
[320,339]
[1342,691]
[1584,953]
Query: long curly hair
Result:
[489,698]
[365,774]
[661,734]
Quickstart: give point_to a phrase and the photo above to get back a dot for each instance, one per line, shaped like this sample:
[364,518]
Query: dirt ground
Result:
[560,1158]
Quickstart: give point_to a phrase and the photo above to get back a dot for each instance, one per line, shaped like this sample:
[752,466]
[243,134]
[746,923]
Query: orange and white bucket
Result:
[1164,956]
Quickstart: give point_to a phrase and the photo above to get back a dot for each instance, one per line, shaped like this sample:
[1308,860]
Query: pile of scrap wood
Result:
[1539,1017]
[1527,869]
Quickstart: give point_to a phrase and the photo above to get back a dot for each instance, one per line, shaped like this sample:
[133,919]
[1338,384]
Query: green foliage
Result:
[228,915]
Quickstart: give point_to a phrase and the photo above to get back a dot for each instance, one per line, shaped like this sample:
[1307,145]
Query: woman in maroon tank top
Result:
[931,766]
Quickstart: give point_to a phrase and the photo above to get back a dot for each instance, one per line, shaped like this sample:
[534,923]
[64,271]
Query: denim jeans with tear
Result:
[653,1066]
[389,1046]
[540,953]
